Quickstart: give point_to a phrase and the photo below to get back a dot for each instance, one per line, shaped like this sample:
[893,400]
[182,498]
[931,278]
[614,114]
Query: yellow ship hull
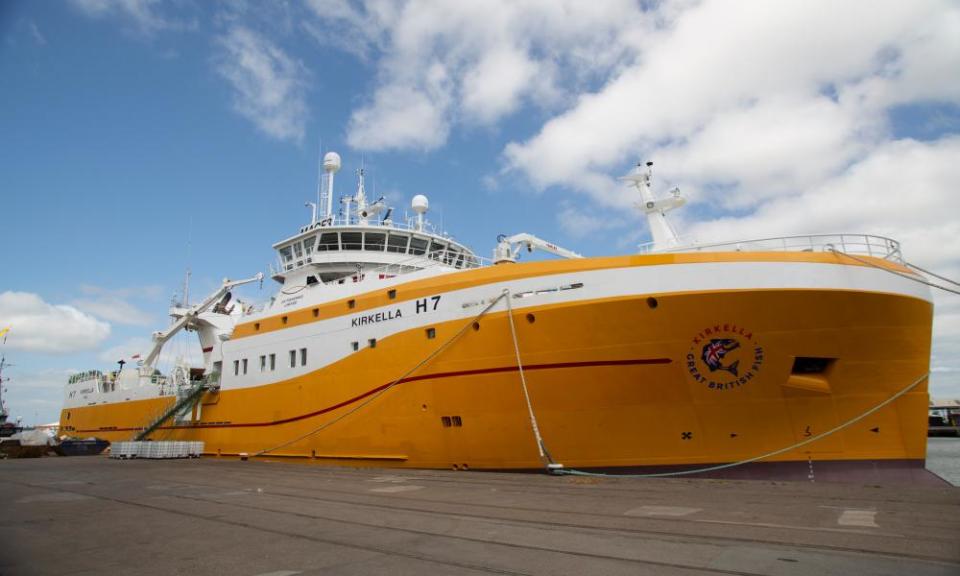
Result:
[666,379]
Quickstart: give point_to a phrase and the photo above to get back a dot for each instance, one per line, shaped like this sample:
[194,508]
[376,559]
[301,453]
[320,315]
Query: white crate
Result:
[150,450]
[125,450]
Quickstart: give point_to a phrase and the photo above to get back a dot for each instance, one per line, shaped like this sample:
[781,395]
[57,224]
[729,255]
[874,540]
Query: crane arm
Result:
[508,247]
[185,316]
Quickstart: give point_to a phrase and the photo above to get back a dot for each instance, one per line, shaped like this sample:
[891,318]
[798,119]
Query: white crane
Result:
[187,317]
[508,247]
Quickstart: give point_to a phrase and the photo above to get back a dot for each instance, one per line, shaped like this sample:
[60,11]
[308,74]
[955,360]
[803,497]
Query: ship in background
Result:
[390,344]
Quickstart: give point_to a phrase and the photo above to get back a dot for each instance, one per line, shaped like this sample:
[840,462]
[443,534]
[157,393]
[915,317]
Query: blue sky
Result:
[141,137]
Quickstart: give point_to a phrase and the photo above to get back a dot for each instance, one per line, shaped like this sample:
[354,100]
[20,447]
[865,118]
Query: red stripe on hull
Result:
[438,375]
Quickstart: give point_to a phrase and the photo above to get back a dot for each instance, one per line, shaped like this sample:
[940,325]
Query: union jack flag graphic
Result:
[714,352]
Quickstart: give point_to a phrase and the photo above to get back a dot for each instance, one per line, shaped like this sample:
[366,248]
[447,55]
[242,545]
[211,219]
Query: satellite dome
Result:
[420,204]
[331,162]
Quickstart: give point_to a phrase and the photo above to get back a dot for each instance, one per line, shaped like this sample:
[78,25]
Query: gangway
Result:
[187,401]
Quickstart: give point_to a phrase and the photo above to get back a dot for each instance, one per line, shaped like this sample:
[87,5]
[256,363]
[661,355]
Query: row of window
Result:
[396,242]
[240,366]
[270,360]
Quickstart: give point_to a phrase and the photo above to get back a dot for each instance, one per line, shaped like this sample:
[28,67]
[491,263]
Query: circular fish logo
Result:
[724,356]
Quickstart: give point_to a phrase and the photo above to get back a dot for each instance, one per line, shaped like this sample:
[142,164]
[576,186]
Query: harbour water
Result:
[943,458]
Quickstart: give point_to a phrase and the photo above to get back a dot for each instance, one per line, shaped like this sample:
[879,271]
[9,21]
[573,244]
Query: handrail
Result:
[871,245]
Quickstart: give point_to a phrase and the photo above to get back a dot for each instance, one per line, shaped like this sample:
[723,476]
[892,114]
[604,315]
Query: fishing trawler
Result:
[391,344]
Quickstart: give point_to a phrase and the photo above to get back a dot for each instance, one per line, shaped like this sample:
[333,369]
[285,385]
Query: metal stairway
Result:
[191,398]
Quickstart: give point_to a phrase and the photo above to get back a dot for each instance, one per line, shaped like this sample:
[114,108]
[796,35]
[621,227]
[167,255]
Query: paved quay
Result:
[91,515]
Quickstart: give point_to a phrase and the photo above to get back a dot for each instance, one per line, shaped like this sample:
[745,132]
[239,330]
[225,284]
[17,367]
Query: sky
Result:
[143,138]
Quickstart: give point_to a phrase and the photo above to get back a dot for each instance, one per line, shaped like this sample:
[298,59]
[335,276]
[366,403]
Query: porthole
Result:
[256,326]
[284,319]
[391,294]
[316,312]
[476,326]
[431,333]
[531,318]
[652,302]
[351,304]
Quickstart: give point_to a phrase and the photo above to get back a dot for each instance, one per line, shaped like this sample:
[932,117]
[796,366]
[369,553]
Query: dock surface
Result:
[91,515]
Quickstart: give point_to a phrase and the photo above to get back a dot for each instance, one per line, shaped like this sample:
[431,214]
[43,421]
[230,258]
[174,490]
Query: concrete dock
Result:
[91,515]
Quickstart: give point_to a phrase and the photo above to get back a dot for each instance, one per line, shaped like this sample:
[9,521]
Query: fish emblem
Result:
[715,351]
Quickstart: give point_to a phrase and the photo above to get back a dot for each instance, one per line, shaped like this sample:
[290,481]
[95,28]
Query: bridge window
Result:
[273,362]
[329,241]
[263,363]
[236,367]
[397,243]
[375,241]
[293,358]
[352,240]
[418,246]
[303,356]
[308,245]
[286,254]
[244,365]
[450,257]
[297,250]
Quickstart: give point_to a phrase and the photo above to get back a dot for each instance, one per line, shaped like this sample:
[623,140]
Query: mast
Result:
[3,362]
[663,234]
[361,197]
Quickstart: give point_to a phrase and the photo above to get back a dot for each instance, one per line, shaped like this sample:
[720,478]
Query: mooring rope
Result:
[848,423]
[544,453]
[384,390]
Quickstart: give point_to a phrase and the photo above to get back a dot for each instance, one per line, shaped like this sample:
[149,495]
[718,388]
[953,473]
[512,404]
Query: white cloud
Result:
[37,326]
[799,90]
[444,64]
[114,304]
[492,88]
[143,14]
[269,86]
[403,117]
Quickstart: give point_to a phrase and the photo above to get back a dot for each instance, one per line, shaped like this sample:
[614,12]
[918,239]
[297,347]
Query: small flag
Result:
[4,334]
[135,356]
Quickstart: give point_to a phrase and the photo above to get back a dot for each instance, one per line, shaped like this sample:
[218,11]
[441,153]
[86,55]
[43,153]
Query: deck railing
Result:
[864,244]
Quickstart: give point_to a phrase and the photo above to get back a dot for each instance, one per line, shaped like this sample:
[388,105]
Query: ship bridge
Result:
[363,239]
[339,251]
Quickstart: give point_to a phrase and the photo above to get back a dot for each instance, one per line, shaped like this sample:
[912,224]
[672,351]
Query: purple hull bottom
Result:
[886,472]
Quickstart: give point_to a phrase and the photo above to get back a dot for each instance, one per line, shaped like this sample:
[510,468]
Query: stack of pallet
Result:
[156,450]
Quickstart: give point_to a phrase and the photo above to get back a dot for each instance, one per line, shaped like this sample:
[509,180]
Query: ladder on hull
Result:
[184,403]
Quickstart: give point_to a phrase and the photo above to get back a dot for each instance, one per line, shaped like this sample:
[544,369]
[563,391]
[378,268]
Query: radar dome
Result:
[420,204]
[331,162]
